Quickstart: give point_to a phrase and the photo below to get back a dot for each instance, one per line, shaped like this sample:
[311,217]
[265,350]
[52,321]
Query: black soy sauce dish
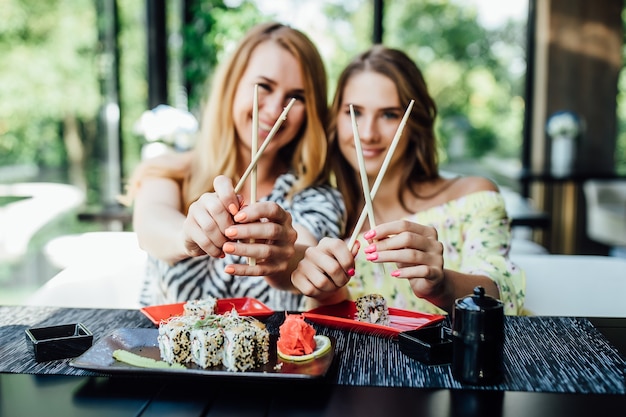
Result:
[431,345]
[59,342]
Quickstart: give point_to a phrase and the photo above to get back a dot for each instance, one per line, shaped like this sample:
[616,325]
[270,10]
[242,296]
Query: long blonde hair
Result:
[215,151]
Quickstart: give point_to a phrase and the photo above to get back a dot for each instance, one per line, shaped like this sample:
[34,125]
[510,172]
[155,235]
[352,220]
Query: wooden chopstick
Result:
[254,148]
[257,156]
[364,181]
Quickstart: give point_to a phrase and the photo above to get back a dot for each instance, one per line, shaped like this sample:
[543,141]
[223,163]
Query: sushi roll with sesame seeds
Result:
[200,308]
[239,349]
[207,344]
[372,308]
[262,340]
[174,340]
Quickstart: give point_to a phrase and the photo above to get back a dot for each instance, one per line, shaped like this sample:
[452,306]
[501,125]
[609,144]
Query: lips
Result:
[372,153]
[264,129]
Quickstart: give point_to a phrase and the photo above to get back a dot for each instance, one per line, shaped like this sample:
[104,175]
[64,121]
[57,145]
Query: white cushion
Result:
[574,285]
[102,270]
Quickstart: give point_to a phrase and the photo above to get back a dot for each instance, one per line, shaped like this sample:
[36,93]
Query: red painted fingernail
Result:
[351,272]
[371,248]
[395,273]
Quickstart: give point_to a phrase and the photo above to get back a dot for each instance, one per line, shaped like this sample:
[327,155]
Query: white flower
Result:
[167,124]
[563,124]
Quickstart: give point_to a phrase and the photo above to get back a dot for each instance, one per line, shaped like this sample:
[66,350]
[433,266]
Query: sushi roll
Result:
[200,308]
[262,340]
[174,340]
[239,349]
[238,343]
[207,344]
[372,308]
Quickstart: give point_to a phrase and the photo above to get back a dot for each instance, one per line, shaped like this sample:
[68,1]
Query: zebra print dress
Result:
[320,209]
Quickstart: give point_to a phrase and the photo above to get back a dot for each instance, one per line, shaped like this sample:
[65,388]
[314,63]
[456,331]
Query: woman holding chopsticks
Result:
[432,239]
[197,215]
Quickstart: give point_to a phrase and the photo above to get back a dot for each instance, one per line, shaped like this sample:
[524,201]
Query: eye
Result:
[298,96]
[265,87]
[357,112]
[391,115]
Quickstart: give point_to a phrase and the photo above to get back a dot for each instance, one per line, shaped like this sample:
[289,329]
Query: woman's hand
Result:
[325,270]
[274,237]
[204,229]
[415,250]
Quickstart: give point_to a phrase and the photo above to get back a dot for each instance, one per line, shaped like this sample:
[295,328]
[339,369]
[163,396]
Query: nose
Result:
[272,105]
[368,131]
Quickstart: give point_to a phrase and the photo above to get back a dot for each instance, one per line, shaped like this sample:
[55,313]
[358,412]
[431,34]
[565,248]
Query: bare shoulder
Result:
[463,186]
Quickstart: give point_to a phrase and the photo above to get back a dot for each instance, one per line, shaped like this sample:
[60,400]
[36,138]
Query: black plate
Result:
[143,342]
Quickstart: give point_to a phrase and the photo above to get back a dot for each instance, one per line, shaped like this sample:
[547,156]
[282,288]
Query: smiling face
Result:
[378,114]
[279,77]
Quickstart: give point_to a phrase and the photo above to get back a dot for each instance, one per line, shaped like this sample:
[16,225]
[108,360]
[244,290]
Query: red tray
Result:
[244,306]
[343,316]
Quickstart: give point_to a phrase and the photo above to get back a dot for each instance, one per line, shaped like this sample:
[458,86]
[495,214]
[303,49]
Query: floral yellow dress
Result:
[476,235]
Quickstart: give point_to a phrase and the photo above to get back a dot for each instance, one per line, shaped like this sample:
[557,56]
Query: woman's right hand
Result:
[208,218]
[325,270]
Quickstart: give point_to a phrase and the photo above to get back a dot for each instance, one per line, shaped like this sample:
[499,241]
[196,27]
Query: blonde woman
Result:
[438,237]
[197,231]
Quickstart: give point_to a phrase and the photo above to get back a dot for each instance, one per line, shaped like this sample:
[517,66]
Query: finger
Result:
[225,191]
[312,280]
[410,240]
[273,258]
[415,271]
[200,241]
[328,263]
[265,231]
[262,267]
[215,209]
[385,230]
[268,210]
[355,248]
[300,281]
[259,251]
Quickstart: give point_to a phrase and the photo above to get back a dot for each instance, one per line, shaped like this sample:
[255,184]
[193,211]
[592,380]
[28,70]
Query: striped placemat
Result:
[542,354]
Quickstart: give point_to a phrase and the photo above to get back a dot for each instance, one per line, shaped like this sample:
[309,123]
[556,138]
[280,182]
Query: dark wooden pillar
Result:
[578,58]
[156,13]
[377,32]
[109,126]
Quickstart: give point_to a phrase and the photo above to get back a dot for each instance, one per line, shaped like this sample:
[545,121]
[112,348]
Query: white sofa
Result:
[574,285]
[606,211]
[21,220]
[107,269]
[101,270]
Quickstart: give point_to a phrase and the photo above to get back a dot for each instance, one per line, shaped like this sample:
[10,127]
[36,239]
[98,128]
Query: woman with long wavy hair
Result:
[197,231]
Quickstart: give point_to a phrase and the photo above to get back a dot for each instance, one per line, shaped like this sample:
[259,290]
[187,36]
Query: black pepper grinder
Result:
[478,339]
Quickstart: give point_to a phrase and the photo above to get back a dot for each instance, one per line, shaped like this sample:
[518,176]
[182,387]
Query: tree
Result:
[49,87]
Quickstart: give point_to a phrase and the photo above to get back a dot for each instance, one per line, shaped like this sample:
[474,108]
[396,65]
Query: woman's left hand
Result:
[416,251]
[274,239]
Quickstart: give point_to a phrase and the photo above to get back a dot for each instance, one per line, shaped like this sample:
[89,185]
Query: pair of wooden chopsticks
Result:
[368,210]
[256,154]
